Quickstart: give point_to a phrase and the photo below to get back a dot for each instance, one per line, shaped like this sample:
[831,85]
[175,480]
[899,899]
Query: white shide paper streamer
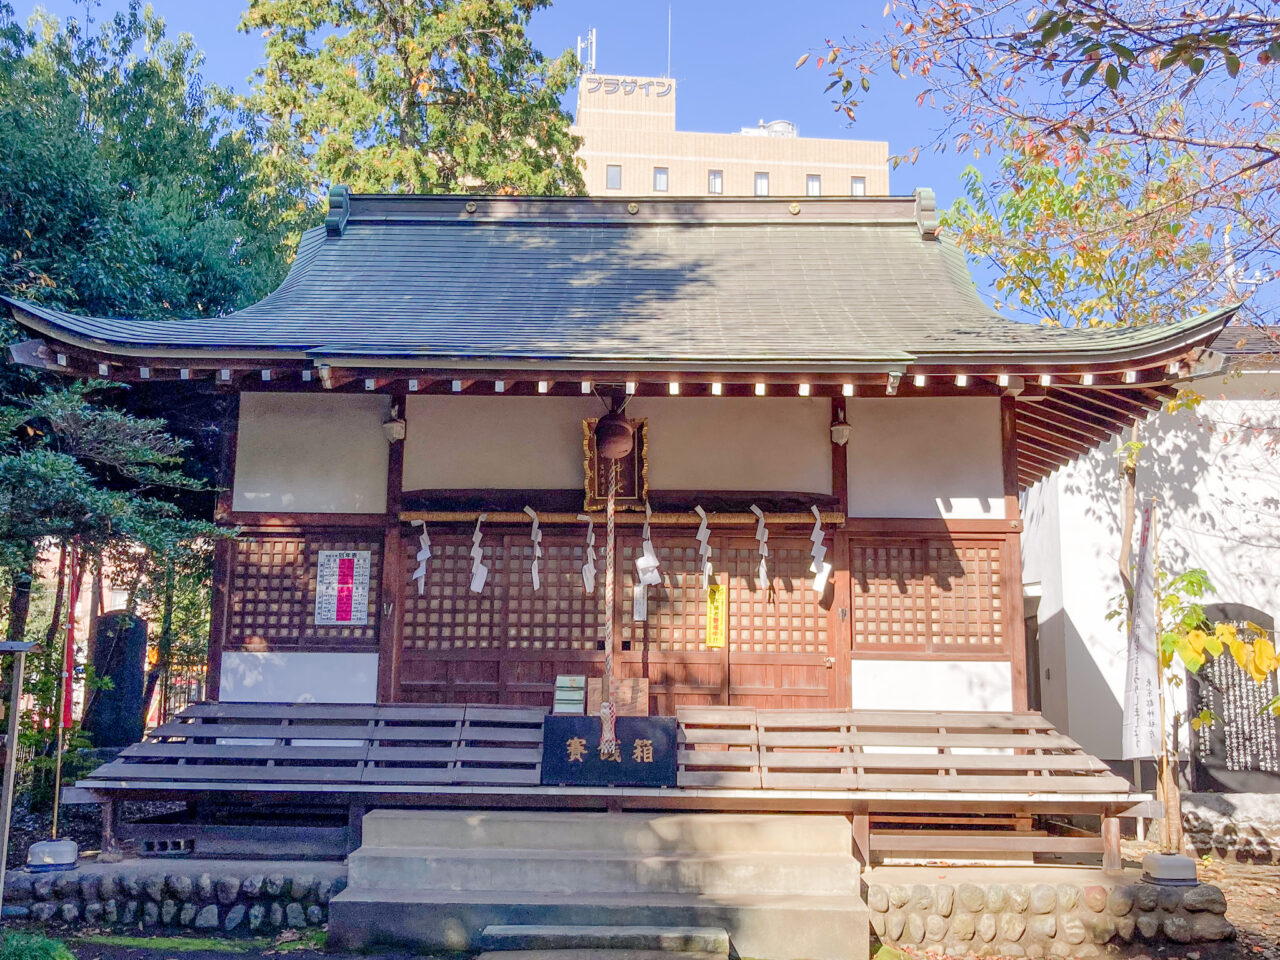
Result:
[762,537]
[820,569]
[589,568]
[647,574]
[536,536]
[424,554]
[703,537]
[479,572]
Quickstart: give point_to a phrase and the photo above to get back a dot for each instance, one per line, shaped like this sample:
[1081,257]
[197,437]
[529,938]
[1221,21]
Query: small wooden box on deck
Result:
[631,696]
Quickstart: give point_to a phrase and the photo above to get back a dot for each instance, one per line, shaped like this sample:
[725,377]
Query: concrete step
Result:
[647,833]
[577,871]
[708,940]
[770,927]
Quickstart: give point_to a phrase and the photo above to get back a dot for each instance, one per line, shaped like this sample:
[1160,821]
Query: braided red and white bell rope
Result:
[609,747]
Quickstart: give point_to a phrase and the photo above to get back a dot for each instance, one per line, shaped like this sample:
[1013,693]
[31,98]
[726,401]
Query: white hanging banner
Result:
[1140,727]
[424,554]
[589,568]
[762,537]
[536,536]
[703,536]
[479,572]
[820,569]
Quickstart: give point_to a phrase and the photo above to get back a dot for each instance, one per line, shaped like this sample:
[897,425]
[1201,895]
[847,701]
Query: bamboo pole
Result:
[10,762]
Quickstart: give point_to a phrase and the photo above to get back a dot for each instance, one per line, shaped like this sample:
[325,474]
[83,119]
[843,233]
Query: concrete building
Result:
[631,147]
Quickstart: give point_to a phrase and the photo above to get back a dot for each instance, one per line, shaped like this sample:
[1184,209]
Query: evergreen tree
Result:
[427,96]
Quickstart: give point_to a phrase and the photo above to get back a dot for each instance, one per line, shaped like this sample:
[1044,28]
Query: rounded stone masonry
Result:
[194,895]
[1045,920]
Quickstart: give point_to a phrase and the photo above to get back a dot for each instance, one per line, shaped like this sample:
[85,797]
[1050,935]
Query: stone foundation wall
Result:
[1244,827]
[1015,920]
[233,897]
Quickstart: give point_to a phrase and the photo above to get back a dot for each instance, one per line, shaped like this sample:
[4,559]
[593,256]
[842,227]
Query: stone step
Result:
[771,926]
[708,940]
[656,834]
[596,955]
[576,871]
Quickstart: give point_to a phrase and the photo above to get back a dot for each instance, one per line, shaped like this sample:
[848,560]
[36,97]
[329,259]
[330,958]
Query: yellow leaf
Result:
[1264,655]
[801,61]
[1196,640]
[1242,653]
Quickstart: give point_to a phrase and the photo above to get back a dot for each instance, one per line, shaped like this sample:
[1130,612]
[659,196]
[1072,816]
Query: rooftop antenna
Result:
[668,73]
[587,51]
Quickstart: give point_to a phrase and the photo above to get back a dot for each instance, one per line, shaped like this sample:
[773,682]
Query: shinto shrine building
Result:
[434,358]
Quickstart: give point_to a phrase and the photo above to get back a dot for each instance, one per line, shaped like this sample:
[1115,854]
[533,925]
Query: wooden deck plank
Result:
[227,751]
[1013,785]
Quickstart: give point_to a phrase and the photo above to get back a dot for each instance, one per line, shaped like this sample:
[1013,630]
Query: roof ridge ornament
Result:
[927,213]
[339,210]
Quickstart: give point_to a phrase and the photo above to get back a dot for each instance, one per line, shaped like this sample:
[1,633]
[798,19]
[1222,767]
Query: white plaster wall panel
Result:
[1042,562]
[935,684]
[725,443]
[500,443]
[308,453]
[738,443]
[926,457]
[299,677]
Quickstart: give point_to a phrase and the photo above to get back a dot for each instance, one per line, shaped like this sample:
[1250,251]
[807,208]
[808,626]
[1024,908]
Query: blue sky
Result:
[734,60]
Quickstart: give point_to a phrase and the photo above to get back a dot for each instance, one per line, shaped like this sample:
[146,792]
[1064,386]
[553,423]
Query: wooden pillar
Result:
[224,551]
[840,458]
[1112,862]
[839,624]
[391,603]
[862,838]
[1014,627]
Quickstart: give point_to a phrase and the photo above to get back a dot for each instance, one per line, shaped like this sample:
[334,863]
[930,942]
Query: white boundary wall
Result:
[1218,509]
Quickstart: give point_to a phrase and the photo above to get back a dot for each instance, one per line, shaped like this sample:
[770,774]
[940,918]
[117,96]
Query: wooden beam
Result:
[1047,416]
[624,518]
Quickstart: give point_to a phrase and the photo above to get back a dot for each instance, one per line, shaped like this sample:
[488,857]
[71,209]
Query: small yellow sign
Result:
[717,614]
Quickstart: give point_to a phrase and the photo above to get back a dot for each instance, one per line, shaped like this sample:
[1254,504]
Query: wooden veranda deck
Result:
[948,782]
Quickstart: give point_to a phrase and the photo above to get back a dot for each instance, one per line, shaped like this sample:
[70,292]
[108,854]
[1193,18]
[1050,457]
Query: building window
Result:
[813,185]
[613,177]
[715,181]
[762,184]
[857,186]
[660,179]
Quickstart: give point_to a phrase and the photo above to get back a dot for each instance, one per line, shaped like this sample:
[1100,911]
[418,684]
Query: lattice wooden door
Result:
[507,643]
[781,653]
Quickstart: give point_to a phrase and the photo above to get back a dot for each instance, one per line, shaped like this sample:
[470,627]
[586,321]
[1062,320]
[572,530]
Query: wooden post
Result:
[1014,627]
[862,838]
[391,603]
[839,621]
[1111,859]
[224,551]
[110,852]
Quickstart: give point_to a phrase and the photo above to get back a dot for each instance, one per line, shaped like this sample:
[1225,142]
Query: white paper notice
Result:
[640,603]
[342,588]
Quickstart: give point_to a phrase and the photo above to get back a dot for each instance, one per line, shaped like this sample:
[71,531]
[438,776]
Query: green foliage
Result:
[124,189]
[429,96]
[32,946]
[1062,233]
